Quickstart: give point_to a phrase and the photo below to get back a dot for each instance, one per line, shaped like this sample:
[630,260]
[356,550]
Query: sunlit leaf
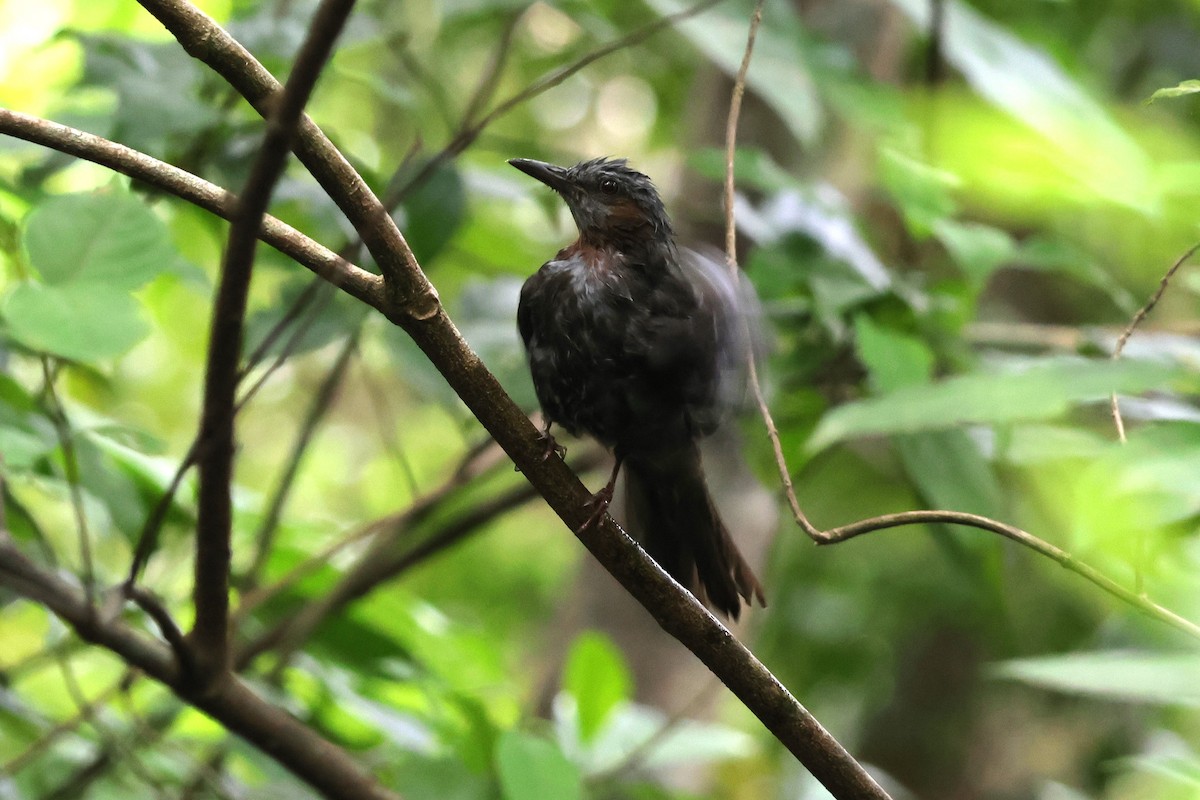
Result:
[105,238]
[1028,84]
[977,249]
[1040,390]
[81,321]
[922,192]
[532,768]
[1170,679]
[598,678]
[1178,90]
[780,73]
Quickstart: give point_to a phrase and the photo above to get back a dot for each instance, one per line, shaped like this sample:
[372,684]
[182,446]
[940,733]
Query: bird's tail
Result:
[669,507]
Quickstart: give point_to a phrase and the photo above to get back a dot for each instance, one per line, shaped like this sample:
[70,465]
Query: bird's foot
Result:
[552,445]
[599,505]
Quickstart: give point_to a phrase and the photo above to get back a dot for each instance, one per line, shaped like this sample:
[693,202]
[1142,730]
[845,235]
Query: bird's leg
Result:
[552,445]
[601,499]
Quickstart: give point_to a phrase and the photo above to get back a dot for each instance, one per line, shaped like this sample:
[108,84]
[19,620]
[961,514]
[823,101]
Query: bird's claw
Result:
[552,446]
[598,503]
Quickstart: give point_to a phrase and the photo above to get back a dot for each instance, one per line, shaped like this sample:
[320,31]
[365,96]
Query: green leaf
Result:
[951,472]
[21,449]
[977,249]
[598,678]
[781,74]
[1162,679]
[532,768]
[922,192]
[1030,86]
[1041,390]
[108,238]
[434,213]
[659,741]
[893,358]
[1178,90]
[80,321]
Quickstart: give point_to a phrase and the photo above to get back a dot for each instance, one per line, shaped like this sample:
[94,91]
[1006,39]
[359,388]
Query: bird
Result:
[636,342]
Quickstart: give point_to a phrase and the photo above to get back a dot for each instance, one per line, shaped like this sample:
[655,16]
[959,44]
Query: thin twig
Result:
[153,607]
[67,726]
[477,462]
[109,739]
[468,133]
[1141,314]
[752,378]
[1134,598]
[644,750]
[379,566]
[1061,557]
[147,540]
[321,403]
[315,760]
[215,514]
[294,339]
[301,303]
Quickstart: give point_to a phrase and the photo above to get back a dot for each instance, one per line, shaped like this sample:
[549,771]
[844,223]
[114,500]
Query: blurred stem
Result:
[66,441]
[321,404]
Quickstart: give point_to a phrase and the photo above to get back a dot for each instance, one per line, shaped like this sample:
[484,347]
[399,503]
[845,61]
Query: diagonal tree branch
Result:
[411,294]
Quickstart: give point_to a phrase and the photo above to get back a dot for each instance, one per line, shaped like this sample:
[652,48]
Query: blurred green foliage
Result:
[945,252]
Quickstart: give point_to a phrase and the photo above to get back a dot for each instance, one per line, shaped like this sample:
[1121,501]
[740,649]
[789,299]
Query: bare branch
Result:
[470,129]
[314,760]
[411,294]
[210,634]
[322,261]
[1061,557]
[1141,314]
[764,410]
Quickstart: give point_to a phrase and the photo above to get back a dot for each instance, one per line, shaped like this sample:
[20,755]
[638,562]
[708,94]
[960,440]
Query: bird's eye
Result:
[608,186]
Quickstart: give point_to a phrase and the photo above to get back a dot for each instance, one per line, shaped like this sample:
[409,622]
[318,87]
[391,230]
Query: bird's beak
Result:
[549,174]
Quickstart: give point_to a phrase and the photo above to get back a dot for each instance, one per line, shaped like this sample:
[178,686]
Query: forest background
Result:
[953,214]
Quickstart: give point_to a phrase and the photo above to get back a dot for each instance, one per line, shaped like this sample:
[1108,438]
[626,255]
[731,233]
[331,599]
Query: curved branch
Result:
[322,261]
[1058,555]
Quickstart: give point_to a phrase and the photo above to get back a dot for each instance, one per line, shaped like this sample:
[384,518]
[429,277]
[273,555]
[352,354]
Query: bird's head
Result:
[612,203]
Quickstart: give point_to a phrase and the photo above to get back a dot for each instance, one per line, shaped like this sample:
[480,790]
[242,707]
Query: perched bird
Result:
[637,342]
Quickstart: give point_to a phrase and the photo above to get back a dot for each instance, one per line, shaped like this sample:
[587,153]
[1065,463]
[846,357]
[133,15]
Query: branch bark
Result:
[214,526]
